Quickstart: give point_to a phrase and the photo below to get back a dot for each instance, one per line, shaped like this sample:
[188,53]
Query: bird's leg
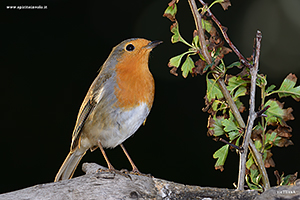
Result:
[109,165]
[134,168]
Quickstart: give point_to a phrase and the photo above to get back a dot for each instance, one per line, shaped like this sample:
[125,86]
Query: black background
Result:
[50,57]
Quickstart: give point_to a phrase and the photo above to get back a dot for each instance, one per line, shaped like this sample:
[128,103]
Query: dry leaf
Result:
[173,71]
[269,162]
[221,168]
[210,124]
[288,114]
[225,4]
[278,177]
[256,134]
[200,65]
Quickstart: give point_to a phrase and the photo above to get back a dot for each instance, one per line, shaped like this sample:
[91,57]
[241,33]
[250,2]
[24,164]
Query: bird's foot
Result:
[113,170]
[136,172]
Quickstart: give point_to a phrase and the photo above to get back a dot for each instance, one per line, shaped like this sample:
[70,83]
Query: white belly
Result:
[122,124]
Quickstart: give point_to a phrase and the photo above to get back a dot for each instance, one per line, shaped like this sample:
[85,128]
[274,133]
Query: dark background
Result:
[50,57]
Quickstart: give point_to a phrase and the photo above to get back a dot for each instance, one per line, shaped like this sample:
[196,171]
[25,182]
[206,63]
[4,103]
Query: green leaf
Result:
[261,81]
[287,88]
[255,176]
[258,126]
[241,91]
[215,105]
[270,89]
[233,135]
[213,90]
[285,180]
[250,161]
[238,103]
[229,125]
[220,67]
[264,156]
[237,143]
[206,25]
[235,64]
[196,41]
[217,127]
[218,105]
[252,186]
[258,144]
[274,113]
[177,37]
[221,155]
[187,66]
[277,140]
[288,180]
[271,137]
[236,82]
[170,12]
[206,66]
[175,61]
[175,30]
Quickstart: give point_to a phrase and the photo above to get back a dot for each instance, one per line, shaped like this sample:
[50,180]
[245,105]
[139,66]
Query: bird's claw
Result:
[116,172]
[136,172]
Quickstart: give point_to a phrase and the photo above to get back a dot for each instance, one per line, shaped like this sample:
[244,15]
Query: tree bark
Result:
[106,185]
[98,184]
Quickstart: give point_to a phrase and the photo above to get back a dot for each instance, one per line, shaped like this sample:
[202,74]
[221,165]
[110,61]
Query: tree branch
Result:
[252,116]
[106,185]
[226,94]
[200,31]
[261,165]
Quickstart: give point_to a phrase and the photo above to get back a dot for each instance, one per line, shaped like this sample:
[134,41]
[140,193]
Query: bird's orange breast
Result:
[135,84]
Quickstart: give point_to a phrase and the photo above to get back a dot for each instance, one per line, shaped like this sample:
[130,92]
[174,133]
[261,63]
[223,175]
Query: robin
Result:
[115,106]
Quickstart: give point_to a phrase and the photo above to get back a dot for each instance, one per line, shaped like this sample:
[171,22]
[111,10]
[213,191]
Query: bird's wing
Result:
[92,98]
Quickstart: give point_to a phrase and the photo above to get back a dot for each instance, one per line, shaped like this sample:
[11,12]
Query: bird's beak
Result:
[153,44]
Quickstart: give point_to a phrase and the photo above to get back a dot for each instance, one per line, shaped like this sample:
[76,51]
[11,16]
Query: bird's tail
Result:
[67,169]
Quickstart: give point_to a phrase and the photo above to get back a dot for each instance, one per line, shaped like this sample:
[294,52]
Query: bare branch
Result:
[252,116]
[226,94]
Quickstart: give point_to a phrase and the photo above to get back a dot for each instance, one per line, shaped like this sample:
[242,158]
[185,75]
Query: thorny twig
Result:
[258,159]
[233,107]
[262,111]
[252,116]
[223,30]
[230,144]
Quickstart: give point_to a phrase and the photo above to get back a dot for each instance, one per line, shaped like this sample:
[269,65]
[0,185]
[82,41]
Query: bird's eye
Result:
[130,47]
